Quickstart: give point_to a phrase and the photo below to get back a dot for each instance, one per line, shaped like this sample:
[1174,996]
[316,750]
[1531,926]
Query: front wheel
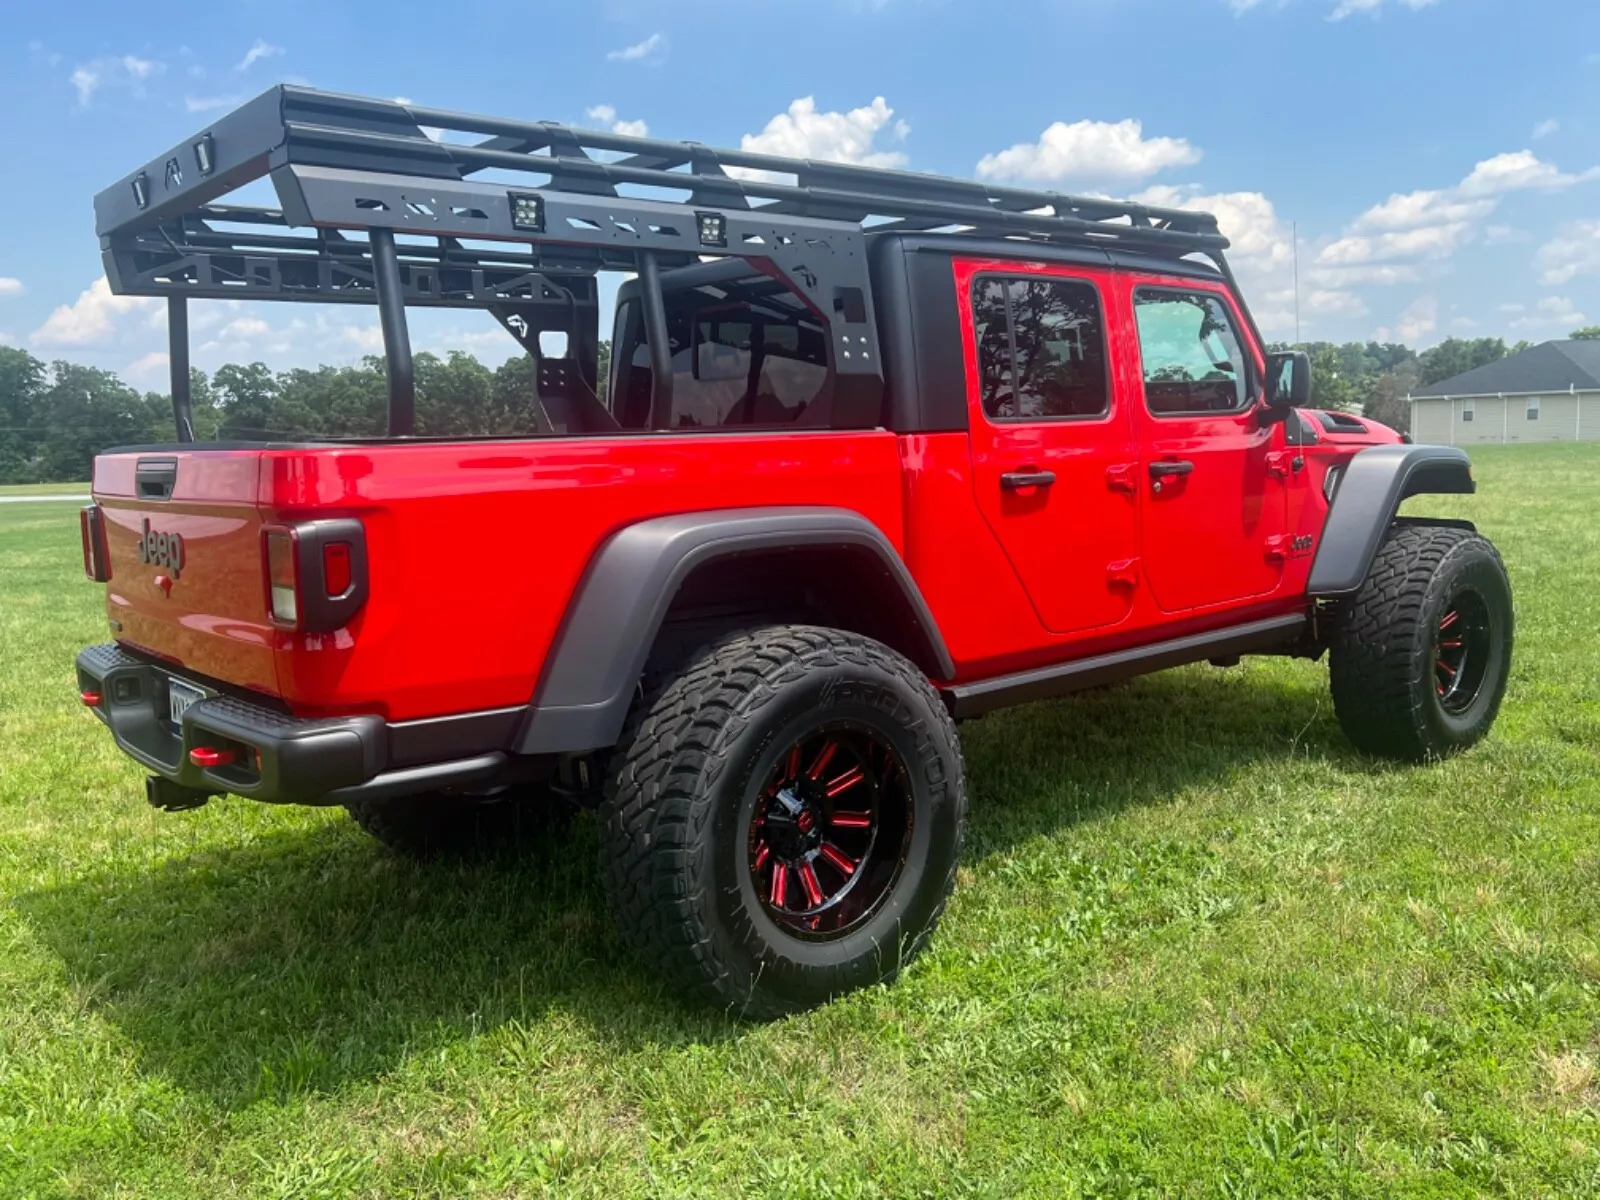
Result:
[1422,652]
[783,819]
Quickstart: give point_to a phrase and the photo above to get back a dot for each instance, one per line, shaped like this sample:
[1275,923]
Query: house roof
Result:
[1549,367]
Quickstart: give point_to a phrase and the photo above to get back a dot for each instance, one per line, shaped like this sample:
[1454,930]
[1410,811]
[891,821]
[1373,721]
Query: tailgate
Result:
[183,532]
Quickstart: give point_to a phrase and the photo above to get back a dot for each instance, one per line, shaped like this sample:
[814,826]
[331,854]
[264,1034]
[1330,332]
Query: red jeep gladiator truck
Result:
[877,452]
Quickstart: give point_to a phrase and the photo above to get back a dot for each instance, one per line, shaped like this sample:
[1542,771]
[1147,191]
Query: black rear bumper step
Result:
[278,758]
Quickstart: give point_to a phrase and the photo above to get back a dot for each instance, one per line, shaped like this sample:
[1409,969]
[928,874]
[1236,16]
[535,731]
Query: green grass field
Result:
[44,489]
[1198,947]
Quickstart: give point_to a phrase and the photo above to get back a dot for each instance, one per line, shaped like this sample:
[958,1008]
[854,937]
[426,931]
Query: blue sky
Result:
[1439,158]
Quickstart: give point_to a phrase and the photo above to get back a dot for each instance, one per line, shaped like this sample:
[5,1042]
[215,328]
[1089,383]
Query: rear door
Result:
[1211,467]
[183,532]
[1053,453]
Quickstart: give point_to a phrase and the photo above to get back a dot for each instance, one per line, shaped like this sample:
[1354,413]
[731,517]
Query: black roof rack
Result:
[518,216]
[299,128]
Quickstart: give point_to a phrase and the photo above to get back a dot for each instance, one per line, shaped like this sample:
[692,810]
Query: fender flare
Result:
[595,662]
[1376,481]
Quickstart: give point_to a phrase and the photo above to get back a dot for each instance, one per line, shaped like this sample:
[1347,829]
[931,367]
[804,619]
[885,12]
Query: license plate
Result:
[180,696]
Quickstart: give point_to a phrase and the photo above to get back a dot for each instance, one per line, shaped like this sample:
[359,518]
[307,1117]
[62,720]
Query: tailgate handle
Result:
[153,478]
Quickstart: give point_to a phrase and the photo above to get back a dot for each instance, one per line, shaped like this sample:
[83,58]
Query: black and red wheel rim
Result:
[830,830]
[1462,647]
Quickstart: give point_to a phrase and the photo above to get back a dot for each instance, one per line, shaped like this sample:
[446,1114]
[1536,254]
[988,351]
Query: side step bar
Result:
[975,699]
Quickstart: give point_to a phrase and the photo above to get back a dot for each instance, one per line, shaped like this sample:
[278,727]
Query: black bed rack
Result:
[396,204]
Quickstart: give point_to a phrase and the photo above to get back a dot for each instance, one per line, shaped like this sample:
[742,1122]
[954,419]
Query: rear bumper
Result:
[275,757]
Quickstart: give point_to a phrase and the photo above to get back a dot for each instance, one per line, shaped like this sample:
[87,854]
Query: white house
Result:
[1550,393]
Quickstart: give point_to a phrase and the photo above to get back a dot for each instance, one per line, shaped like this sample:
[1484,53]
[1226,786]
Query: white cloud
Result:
[652,49]
[1437,241]
[1096,151]
[1417,321]
[92,318]
[1553,312]
[10,286]
[1335,303]
[1341,9]
[605,115]
[258,50]
[147,368]
[847,137]
[1573,252]
[1514,172]
[1495,235]
[1415,209]
[1261,247]
[243,327]
[1378,274]
[368,339]
[126,71]
[200,104]
[1347,8]
[1434,223]
[7,338]
[1546,129]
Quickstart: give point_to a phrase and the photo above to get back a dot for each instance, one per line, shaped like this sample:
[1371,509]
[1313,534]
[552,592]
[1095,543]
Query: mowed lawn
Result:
[44,489]
[1198,947]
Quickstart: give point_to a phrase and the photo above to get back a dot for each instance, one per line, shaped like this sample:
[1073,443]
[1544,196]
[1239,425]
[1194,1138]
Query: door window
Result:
[1041,349]
[1193,359]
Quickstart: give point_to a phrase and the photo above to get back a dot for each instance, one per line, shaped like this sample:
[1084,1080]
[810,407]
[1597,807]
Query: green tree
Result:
[247,401]
[1387,402]
[22,385]
[87,410]
[1455,356]
[1589,333]
[455,395]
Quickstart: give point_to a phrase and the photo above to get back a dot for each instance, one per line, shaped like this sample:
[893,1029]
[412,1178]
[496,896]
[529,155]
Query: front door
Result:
[1211,468]
[1053,457]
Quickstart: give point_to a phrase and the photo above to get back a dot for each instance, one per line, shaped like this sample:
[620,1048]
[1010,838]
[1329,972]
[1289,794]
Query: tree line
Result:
[54,418]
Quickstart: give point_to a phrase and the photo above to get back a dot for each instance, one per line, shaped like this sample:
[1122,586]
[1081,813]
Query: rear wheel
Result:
[437,824]
[783,819]
[1422,652]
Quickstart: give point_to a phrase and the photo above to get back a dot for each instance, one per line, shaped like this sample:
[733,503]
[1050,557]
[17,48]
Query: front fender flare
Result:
[595,663]
[1376,481]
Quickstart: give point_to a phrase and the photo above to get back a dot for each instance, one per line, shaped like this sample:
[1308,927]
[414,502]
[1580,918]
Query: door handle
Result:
[1012,480]
[1160,470]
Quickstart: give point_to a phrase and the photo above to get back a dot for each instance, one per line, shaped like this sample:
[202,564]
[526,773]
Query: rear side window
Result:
[1193,359]
[1041,348]
[745,355]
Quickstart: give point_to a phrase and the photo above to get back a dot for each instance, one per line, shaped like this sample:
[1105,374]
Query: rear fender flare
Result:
[594,666]
[1376,482]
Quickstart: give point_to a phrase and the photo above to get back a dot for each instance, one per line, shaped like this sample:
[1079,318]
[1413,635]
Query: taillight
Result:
[96,559]
[282,577]
[336,568]
[316,573]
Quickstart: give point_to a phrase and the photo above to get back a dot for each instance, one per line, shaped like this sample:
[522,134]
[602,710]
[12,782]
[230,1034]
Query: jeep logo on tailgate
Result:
[161,549]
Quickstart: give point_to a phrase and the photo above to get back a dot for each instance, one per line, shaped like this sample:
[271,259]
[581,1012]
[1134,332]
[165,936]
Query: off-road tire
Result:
[1383,658]
[684,783]
[440,825]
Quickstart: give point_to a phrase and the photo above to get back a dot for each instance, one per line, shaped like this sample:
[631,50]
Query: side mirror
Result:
[1289,379]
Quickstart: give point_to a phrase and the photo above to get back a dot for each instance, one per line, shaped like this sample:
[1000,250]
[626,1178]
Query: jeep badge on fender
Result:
[161,549]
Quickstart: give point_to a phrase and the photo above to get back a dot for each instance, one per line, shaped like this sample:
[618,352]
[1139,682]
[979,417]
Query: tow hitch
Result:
[172,797]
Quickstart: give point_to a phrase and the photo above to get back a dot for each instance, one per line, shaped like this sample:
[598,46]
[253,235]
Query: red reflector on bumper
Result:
[205,756]
[336,569]
[91,699]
